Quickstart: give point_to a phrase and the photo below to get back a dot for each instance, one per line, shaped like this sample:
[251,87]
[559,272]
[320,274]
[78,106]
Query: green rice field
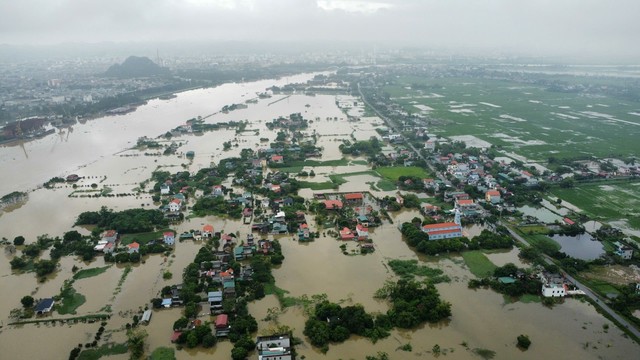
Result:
[605,202]
[524,118]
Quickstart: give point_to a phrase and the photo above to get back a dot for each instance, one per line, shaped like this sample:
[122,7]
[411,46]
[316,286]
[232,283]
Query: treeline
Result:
[412,303]
[419,239]
[125,222]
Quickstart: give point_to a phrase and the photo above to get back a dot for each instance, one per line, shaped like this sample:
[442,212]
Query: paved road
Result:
[392,126]
[588,292]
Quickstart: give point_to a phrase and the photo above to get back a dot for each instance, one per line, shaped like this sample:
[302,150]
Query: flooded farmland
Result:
[481,318]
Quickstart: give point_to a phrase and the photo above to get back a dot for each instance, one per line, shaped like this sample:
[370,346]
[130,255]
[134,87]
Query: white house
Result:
[164,189]
[169,238]
[110,236]
[553,290]
[134,247]
[217,190]
[363,232]
[175,205]
[624,251]
[276,347]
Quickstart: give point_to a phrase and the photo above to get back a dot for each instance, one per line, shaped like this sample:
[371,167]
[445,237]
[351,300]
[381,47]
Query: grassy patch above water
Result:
[394,172]
[87,273]
[478,263]
[336,180]
[163,353]
[529,298]
[104,350]
[542,242]
[281,294]
[410,268]
[143,238]
[290,169]
[325,185]
[386,185]
[70,301]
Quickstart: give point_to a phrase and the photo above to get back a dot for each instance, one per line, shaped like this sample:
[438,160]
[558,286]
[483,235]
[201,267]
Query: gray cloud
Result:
[536,26]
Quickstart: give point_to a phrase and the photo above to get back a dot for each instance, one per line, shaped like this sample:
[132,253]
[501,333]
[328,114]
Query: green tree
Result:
[192,340]
[71,236]
[209,341]
[45,267]
[27,301]
[18,240]
[135,342]
[31,250]
[524,342]
[239,353]
[180,323]
[17,263]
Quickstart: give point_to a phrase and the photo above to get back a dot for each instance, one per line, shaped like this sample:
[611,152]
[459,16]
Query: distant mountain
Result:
[135,66]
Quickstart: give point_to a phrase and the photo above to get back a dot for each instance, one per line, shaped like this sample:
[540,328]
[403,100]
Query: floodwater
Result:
[37,161]
[480,318]
[541,213]
[582,246]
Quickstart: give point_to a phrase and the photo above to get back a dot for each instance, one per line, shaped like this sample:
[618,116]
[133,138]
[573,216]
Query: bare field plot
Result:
[605,203]
[524,118]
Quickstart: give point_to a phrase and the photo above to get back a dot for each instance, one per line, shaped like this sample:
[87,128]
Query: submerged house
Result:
[346,234]
[303,232]
[44,306]
[275,347]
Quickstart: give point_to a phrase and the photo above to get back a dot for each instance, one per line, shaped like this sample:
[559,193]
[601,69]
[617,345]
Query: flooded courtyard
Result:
[97,150]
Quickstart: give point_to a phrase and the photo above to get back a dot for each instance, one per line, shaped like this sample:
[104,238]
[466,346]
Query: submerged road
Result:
[588,292]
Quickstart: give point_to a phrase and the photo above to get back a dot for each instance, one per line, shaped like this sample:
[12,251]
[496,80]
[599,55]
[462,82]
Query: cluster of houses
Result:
[110,239]
[359,231]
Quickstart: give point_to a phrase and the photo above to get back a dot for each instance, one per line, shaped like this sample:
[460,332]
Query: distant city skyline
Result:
[591,28]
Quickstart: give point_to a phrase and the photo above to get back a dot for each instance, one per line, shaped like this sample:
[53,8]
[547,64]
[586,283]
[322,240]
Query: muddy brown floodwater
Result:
[97,150]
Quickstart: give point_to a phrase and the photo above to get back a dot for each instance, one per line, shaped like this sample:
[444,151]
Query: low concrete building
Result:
[275,347]
[623,250]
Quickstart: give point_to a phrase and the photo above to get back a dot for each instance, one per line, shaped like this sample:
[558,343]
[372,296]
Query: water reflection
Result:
[582,246]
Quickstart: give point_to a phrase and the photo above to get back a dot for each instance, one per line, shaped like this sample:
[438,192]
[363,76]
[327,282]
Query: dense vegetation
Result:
[126,221]
[412,304]
[216,205]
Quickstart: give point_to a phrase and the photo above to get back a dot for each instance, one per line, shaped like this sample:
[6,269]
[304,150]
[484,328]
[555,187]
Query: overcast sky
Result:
[537,27]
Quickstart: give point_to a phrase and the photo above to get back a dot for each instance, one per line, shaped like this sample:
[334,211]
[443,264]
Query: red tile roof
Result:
[354,196]
[175,336]
[493,193]
[440,232]
[134,245]
[222,320]
[333,204]
[207,228]
[439,226]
